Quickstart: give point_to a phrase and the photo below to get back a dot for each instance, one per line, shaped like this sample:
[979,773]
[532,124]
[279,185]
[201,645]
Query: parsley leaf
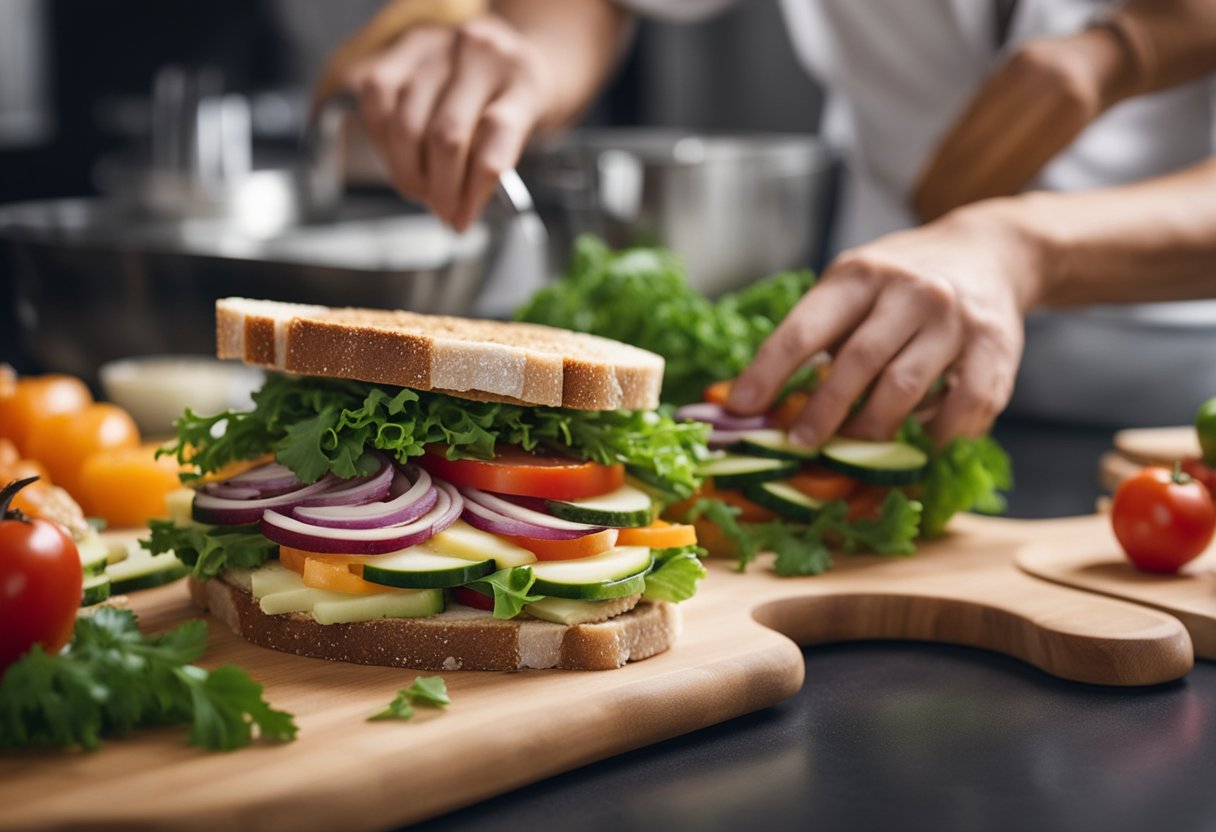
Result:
[430,691]
[112,678]
[209,550]
[510,589]
[965,475]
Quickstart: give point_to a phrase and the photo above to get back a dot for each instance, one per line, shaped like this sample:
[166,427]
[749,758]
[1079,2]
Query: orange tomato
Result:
[339,573]
[580,547]
[127,486]
[658,535]
[719,391]
[821,484]
[63,441]
[34,399]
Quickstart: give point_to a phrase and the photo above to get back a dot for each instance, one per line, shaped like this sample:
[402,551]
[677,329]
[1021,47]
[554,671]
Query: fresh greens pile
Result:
[428,691]
[113,678]
[209,550]
[315,426]
[641,296]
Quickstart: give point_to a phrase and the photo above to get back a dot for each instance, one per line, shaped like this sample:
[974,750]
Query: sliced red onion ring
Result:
[287,531]
[268,480]
[715,415]
[498,516]
[412,502]
[455,506]
[358,491]
[223,511]
[232,492]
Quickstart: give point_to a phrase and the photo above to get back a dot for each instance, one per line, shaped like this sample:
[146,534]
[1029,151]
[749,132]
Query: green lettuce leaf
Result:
[209,550]
[510,590]
[676,575]
[965,475]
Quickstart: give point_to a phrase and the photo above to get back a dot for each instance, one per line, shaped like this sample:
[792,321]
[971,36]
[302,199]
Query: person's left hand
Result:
[944,299]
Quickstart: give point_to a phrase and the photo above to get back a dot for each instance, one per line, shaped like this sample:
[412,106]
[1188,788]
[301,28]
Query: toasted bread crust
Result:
[474,359]
[460,638]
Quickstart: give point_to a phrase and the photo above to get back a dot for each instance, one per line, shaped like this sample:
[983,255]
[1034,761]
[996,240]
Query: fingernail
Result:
[743,395]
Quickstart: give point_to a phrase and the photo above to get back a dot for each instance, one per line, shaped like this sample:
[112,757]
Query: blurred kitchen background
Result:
[151,155]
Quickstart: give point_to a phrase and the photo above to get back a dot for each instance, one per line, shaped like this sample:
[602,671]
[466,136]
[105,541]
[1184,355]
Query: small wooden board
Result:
[738,653]
[1137,447]
[1082,553]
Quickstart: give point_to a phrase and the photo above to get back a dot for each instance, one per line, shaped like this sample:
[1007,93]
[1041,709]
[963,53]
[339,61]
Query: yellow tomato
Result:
[33,399]
[127,486]
[64,441]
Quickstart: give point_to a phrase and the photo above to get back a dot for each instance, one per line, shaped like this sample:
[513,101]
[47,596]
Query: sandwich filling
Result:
[349,501]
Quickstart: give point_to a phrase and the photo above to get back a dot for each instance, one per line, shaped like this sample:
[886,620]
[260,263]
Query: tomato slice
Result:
[515,471]
[472,598]
[821,484]
[586,546]
[750,512]
[659,535]
[719,391]
[866,503]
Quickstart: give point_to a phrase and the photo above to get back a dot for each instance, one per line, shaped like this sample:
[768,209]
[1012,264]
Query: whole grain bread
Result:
[459,638]
[474,359]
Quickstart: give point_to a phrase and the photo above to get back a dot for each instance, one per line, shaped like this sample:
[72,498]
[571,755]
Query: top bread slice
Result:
[474,359]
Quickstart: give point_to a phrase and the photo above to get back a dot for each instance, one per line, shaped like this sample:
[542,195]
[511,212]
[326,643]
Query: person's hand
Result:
[450,109]
[944,299]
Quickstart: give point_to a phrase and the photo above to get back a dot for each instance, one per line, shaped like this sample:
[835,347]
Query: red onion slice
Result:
[497,516]
[717,416]
[454,508]
[222,511]
[267,480]
[287,531]
[412,502]
[357,491]
[232,492]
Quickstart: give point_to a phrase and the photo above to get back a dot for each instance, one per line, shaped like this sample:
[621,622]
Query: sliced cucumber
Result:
[417,568]
[732,471]
[773,444]
[389,604]
[623,508]
[143,570]
[877,463]
[571,612]
[94,555]
[95,590]
[460,540]
[271,578]
[614,574]
[785,499]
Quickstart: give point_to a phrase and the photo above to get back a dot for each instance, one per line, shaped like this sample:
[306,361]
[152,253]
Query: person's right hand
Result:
[450,109]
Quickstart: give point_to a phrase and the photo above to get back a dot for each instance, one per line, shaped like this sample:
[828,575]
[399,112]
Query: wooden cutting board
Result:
[504,730]
[1082,552]
[1137,447]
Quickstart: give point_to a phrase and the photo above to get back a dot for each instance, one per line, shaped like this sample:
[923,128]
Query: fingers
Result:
[497,146]
[863,357]
[824,315]
[985,377]
[906,381]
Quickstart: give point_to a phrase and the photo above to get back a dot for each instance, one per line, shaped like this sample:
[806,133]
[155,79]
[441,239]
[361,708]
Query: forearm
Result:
[1149,241]
[580,41]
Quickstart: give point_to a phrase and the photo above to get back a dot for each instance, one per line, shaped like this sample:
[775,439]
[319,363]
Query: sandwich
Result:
[437,493]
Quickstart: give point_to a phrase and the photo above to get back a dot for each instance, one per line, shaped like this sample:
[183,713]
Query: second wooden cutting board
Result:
[504,730]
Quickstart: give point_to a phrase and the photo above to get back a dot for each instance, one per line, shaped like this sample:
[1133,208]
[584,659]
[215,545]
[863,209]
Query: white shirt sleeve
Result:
[679,10]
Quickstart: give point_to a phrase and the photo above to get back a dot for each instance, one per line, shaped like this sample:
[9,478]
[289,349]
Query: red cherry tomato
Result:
[1162,519]
[40,582]
[1206,474]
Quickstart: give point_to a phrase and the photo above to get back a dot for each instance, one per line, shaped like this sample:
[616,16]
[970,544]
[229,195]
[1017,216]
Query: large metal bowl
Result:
[91,280]
[736,208]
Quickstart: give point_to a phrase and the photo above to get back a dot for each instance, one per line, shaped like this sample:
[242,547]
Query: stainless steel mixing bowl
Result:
[95,280]
[736,208]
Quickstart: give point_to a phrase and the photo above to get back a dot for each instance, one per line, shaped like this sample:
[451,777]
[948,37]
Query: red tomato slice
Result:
[659,535]
[867,503]
[472,598]
[750,512]
[821,484]
[514,471]
[580,547]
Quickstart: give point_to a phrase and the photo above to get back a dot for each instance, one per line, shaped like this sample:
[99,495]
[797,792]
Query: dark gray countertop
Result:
[891,735]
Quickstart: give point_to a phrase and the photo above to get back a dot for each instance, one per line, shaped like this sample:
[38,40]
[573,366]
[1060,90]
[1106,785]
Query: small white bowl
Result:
[156,389]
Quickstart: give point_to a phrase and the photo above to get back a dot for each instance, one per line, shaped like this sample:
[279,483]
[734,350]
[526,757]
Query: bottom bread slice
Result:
[458,639]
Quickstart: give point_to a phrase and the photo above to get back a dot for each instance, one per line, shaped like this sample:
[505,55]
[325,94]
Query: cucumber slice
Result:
[623,508]
[877,463]
[732,471]
[785,499]
[614,574]
[94,555]
[388,604]
[416,568]
[95,590]
[143,571]
[773,444]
